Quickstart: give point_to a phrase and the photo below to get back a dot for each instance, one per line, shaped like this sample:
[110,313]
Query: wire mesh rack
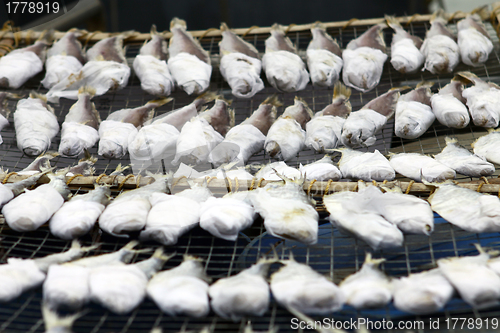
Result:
[335,255]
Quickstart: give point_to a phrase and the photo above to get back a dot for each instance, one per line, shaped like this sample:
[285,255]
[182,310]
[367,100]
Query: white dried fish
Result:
[10,190]
[422,293]
[414,115]
[417,167]
[123,255]
[247,138]
[324,130]
[121,288]
[244,294]
[449,106]
[240,64]
[321,170]
[473,40]
[361,126]
[470,210]
[270,171]
[182,290]
[483,100]
[364,59]
[287,211]
[151,67]
[366,166]
[324,57]
[298,286]
[369,287]
[486,146]
[4,111]
[189,63]
[284,69]
[121,127]
[287,136]
[31,209]
[64,58]
[36,124]
[463,161]
[405,48]
[477,284]
[440,47]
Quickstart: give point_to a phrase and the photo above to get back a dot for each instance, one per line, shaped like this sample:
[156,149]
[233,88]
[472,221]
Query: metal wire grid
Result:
[335,255]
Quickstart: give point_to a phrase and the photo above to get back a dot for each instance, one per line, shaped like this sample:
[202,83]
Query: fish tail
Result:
[178,23]
[393,22]
[400,88]
[277,28]
[306,106]
[232,118]
[450,140]
[153,30]
[87,90]
[425,84]
[120,168]
[371,261]
[13,96]
[47,36]
[341,90]
[273,100]
[188,257]
[88,157]
[439,15]
[318,25]
[206,97]
[224,27]
[130,245]
[159,102]
[159,254]
[53,322]
[482,12]
[466,77]
[34,94]
[85,248]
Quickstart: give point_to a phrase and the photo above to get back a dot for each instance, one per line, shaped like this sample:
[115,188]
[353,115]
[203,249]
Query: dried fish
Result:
[123,255]
[298,286]
[422,293]
[40,164]
[440,47]
[64,58]
[85,166]
[4,111]
[287,136]
[272,170]
[182,290]
[247,138]
[240,64]
[449,106]
[121,127]
[189,63]
[369,287]
[284,69]
[463,161]
[324,57]
[364,59]
[11,190]
[321,170]
[473,40]
[36,124]
[366,166]
[414,115]
[151,67]
[324,130]
[405,48]
[417,167]
[486,147]
[361,126]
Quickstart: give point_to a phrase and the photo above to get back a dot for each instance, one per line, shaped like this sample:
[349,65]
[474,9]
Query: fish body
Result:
[272,171]
[473,41]
[486,147]
[405,49]
[365,166]
[449,107]
[321,170]
[9,191]
[417,167]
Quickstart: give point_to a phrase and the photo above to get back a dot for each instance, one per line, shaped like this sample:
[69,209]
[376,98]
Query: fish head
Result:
[34,146]
[71,146]
[193,87]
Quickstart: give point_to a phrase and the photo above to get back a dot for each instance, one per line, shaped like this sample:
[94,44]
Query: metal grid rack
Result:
[335,255]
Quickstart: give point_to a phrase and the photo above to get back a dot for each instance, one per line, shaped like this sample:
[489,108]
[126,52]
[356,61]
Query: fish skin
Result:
[440,49]
[232,43]
[321,170]
[414,114]
[183,42]
[486,147]
[356,165]
[405,48]
[421,167]
[449,106]
[108,49]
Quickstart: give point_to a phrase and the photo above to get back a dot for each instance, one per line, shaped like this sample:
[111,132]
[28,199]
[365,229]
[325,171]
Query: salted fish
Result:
[361,126]
[417,167]
[225,217]
[298,286]
[352,214]
[182,290]
[477,284]
[365,166]
[106,69]
[321,170]
[171,216]
[272,171]
[121,288]
[240,65]
[247,138]
[284,69]
[422,293]
[463,161]
[405,48]
[203,133]
[449,106]
[287,134]
[4,111]
[35,123]
[11,190]
[483,100]
[324,57]
[19,275]
[440,47]
[467,209]
[244,294]
[486,147]
[473,40]
[369,287]
[121,127]
[364,59]
[414,114]
[189,63]
[287,211]
[40,164]
[324,130]
[129,211]
[64,58]
[42,202]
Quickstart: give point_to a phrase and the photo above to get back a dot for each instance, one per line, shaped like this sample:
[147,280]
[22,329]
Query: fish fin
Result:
[204,98]
[339,89]
[160,101]
[402,88]
[426,84]
[87,89]
[273,100]
[178,23]
[467,77]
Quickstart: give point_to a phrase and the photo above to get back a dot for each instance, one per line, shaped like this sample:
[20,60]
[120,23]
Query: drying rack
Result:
[335,255]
